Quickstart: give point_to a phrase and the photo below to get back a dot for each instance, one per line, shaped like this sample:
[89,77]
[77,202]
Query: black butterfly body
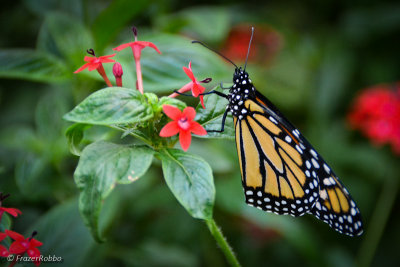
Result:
[281,171]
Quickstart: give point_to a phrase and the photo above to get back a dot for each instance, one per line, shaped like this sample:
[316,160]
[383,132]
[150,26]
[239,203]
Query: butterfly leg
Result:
[222,123]
[222,86]
[215,92]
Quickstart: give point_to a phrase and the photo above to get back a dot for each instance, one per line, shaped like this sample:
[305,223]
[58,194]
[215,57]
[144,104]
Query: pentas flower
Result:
[183,123]
[137,47]
[96,63]
[3,250]
[376,113]
[12,211]
[194,85]
[28,245]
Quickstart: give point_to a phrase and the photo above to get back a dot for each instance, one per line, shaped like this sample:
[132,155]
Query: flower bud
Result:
[117,71]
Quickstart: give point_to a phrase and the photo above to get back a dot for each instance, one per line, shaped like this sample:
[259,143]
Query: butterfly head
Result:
[242,83]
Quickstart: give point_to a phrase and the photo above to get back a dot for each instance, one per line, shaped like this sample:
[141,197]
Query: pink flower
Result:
[376,113]
[96,63]
[137,47]
[183,123]
[194,85]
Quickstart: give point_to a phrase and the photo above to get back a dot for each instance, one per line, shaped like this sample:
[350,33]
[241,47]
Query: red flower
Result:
[376,112]
[137,47]
[194,85]
[3,250]
[183,123]
[96,63]
[22,245]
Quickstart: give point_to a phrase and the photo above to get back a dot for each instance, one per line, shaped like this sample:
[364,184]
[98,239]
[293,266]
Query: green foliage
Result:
[113,105]
[101,166]
[190,179]
[211,117]
[31,65]
[328,53]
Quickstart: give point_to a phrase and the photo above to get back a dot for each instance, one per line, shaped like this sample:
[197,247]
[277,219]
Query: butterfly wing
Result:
[282,172]
[277,171]
[334,205]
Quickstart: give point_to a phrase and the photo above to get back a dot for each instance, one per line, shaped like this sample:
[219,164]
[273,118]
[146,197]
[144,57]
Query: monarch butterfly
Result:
[281,171]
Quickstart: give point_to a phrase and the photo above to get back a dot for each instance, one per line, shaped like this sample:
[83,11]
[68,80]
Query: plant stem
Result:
[378,221]
[223,244]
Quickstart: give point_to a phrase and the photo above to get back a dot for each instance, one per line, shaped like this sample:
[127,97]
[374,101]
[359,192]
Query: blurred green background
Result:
[310,58]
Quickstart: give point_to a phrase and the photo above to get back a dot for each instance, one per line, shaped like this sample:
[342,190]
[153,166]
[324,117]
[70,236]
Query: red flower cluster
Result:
[376,112]
[21,245]
[96,63]
[183,123]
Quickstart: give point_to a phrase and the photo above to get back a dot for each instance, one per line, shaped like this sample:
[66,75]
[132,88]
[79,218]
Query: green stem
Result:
[133,134]
[223,244]
[378,221]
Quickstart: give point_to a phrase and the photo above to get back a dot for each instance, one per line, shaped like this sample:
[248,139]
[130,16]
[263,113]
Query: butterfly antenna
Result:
[215,51]
[248,49]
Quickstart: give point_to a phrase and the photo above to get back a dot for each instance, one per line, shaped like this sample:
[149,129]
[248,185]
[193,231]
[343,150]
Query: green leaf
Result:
[211,117]
[63,234]
[102,165]
[113,105]
[190,179]
[74,135]
[171,101]
[65,37]
[116,16]
[31,65]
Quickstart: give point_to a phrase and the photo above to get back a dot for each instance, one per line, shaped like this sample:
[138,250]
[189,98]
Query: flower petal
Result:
[184,139]
[84,66]
[172,112]
[107,56]
[93,66]
[123,46]
[196,128]
[107,60]
[35,243]
[170,129]
[189,73]
[189,113]
[89,59]
[149,44]
[34,253]
[202,101]
[197,89]
[15,235]
[17,248]
[3,251]
[2,236]
[14,212]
